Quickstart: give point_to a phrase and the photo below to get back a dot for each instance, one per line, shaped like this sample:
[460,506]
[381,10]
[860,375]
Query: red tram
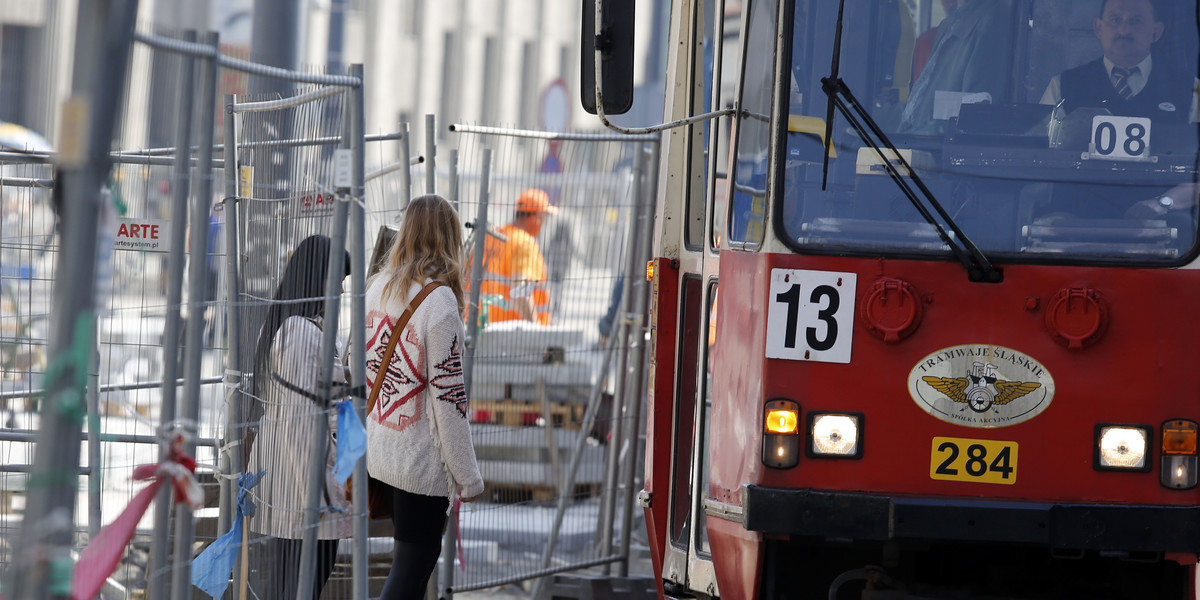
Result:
[953,347]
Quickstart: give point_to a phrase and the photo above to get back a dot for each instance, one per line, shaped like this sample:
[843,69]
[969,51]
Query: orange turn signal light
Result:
[781,434]
[1179,437]
[782,420]
[650,270]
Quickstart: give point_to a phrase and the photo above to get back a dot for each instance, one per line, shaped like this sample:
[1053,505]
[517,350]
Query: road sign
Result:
[554,113]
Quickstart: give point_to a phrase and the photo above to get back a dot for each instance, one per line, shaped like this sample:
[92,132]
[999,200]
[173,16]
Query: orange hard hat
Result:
[534,200]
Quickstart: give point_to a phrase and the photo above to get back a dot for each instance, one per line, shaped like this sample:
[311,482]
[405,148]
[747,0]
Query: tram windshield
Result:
[1045,129]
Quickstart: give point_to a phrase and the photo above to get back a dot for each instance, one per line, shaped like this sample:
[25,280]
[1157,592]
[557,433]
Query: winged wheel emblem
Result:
[980,389]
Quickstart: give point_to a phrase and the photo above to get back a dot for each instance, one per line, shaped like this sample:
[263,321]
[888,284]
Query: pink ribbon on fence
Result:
[103,553]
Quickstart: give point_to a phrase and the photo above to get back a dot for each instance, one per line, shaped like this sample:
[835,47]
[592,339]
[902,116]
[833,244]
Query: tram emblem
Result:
[981,386]
[980,389]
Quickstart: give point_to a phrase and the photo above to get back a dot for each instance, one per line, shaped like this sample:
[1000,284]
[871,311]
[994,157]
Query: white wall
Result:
[405,61]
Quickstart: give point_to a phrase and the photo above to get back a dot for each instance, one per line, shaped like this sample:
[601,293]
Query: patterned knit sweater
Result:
[418,435]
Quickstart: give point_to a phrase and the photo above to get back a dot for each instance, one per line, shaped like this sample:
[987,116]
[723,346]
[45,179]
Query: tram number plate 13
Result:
[810,315]
[978,461]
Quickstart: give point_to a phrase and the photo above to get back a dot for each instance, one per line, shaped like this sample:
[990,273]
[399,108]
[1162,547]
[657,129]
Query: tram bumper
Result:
[868,517]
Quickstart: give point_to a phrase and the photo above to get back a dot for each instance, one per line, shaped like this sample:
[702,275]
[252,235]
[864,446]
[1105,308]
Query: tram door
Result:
[688,559]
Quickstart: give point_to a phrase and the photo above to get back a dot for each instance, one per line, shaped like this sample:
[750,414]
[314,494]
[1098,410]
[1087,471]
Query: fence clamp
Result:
[234,379]
[643,499]
[343,169]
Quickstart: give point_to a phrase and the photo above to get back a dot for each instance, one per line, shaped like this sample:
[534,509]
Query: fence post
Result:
[320,434]
[185,530]
[93,429]
[232,460]
[452,196]
[430,154]
[612,470]
[406,160]
[358,319]
[640,249]
[159,583]
[104,31]
[479,234]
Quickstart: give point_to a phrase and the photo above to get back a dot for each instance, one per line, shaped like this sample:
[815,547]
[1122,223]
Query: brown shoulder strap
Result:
[395,337]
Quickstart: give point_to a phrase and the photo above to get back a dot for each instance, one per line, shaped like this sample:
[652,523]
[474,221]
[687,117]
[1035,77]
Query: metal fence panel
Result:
[543,396]
[293,197]
[28,256]
[141,242]
[532,383]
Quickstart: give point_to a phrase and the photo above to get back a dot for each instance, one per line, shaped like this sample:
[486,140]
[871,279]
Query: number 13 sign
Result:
[810,315]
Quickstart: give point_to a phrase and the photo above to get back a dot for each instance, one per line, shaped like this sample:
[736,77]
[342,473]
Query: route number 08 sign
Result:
[1119,138]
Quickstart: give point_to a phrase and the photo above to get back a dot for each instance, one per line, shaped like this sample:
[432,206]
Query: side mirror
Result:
[616,56]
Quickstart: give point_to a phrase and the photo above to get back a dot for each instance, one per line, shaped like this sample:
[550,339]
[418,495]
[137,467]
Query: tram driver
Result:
[1127,80]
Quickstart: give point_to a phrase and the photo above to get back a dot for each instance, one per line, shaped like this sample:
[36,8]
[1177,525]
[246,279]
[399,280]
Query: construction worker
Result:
[515,270]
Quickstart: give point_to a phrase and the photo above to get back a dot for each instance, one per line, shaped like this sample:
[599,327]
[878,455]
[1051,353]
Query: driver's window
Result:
[1026,139]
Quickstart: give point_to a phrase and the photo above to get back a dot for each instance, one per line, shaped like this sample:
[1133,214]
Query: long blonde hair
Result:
[429,245]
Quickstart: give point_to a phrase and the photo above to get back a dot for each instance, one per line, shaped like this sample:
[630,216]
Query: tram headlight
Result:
[1122,448]
[835,435]
[1179,454]
[781,434]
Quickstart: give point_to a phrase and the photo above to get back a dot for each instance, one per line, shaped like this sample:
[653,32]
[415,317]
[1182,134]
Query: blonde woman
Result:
[418,436]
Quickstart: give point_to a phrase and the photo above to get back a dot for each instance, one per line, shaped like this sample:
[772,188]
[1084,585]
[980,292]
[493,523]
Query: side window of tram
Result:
[694,232]
[685,407]
[719,130]
[747,208]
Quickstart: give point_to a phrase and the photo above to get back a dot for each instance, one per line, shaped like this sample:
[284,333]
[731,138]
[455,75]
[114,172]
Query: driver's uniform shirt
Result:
[1158,94]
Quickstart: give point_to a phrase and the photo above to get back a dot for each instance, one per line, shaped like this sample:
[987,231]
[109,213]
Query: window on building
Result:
[448,108]
[529,91]
[489,107]
[14,78]
[416,17]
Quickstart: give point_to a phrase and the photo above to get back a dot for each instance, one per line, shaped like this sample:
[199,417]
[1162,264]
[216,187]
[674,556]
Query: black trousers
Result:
[419,522]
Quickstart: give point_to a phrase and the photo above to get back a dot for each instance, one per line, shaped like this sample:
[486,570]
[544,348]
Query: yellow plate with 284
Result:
[975,461]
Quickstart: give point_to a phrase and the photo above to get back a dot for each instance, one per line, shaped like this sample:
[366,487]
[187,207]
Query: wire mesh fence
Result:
[543,383]
[27,260]
[295,247]
[144,291]
[124,387]
[26,263]
[197,254]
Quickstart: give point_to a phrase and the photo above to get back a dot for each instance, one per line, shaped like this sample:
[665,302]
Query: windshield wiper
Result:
[979,268]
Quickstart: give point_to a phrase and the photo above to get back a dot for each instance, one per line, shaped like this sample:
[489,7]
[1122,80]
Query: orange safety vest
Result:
[518,259]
